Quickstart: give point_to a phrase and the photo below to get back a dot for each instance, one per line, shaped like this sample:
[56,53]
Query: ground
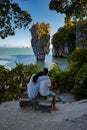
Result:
[71,116]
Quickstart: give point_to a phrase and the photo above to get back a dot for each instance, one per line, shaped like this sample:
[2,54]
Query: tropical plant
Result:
[12,17]
[65,35]
[59,38]
[13,83]
[80,87]
[71,8]
[77,58]
[3,81]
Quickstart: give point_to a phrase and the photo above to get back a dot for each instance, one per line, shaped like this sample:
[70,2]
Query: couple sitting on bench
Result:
[40,84]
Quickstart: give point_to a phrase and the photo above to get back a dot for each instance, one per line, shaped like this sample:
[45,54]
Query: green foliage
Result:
[62,80]
[59,37]
[71,8]
[74,77]
[43,32]
[66,34]
[12,17]
[3,81]
[80,87]
[13,82]
[82,27]
[54,71]
[54,66]
[77,58]
[71,33]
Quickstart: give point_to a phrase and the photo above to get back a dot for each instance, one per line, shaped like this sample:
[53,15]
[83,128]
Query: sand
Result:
[71,116]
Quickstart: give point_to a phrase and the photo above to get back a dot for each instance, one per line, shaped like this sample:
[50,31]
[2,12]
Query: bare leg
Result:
[54,102]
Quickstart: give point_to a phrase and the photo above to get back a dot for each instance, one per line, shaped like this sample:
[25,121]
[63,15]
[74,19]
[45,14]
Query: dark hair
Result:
[45,71]
[35,78]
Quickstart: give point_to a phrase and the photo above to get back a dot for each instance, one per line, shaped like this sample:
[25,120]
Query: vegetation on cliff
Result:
[66,34]
[74,32]
[73,35]
[43,32]
[40,41]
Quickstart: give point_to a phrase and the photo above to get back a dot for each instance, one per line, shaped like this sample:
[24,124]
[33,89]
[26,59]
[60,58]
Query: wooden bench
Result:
[39,103]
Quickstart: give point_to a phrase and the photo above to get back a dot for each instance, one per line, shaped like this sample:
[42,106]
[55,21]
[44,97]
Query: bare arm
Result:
[51,87]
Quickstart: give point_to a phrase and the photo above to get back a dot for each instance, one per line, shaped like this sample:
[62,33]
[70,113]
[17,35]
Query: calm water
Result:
[10,56]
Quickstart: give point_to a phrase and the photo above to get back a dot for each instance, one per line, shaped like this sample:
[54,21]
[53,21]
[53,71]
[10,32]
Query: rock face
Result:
[62,51]
[80,40]
[81,36]
[40,41]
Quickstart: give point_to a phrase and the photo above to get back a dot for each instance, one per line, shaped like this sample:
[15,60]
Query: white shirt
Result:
[44,86]
[33,88]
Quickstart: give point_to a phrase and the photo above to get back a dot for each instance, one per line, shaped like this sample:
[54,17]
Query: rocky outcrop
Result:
[76,39]
[40,41]
[62,51]
[81,34]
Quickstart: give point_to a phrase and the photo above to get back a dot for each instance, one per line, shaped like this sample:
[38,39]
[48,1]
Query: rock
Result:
[62,51]
[79,40]
[81,36]
[40,41]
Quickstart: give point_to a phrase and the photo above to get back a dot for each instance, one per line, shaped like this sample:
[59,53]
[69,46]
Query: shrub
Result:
[13,82]
[80,87]
[3,81]
[63,80]
[77,58]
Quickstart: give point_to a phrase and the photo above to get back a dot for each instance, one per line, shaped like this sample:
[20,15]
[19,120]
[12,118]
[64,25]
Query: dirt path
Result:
[71,116]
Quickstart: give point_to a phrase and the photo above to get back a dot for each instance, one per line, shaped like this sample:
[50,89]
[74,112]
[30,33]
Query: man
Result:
[45,86]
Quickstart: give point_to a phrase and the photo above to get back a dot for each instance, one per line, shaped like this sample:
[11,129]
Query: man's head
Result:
[45,71]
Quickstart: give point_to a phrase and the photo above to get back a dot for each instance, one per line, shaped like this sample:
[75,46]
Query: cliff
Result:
[40,41]
[73,37]
[81,34]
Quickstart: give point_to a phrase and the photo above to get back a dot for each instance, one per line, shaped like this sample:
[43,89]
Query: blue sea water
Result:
[10,56]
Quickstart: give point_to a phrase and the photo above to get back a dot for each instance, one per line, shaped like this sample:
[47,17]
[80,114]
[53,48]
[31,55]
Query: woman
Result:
[33,85]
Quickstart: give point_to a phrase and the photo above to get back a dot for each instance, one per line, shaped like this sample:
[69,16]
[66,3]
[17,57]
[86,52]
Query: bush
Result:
[13,82]
[77,58]
[62,80]
[80,87]
[3,81]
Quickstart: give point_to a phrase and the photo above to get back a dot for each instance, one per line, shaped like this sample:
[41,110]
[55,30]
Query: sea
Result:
[10,56]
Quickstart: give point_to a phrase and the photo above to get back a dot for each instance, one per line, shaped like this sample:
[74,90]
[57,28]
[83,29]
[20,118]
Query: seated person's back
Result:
[33,85]
[44,86]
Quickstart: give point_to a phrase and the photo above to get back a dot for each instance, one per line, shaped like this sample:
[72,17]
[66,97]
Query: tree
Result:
[71,8]
[12,17]
[59,38]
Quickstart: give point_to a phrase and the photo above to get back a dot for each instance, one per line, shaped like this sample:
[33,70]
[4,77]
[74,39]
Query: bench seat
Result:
[40,103]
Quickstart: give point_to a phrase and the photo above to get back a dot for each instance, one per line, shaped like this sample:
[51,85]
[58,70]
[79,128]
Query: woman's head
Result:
[35,78]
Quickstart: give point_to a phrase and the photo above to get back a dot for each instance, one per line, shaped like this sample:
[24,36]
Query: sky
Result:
[39,11]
